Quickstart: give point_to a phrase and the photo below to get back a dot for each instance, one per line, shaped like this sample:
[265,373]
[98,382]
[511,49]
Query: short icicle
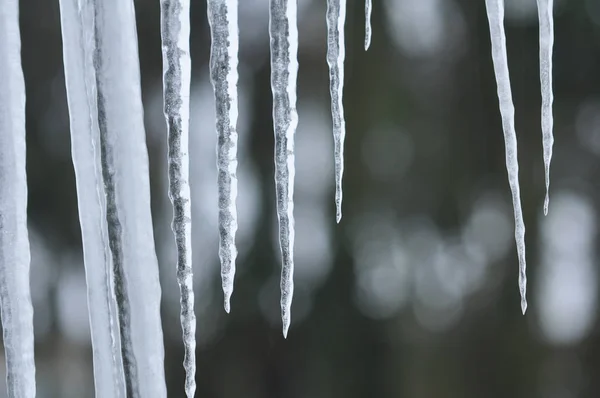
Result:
[283,32]
[495,13]
[15,299]
[223,21]
[545,13]
[175,35]
[368,30]
[336,53]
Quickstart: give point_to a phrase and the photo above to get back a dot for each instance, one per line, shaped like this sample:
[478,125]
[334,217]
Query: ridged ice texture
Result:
[117,110]
[78,33]
[223,21]
[545,14]
[15,301]
[368,31]
[495,13]
[336,52]
[175,34]
[283,32]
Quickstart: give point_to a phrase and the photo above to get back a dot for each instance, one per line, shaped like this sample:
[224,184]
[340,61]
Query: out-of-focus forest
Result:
[414,294]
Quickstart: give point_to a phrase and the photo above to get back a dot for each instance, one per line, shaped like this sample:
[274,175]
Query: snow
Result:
[368,9]
[175,34]
[545,13]
[336,52]
[15,300]
[283,33]
[223,20]
[107,129]
[495,13]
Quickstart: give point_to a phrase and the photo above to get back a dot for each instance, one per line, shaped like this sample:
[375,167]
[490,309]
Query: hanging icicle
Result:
[15,300]
[110,149]
[495,13]
[336,52]
[283,32]
[80,75]
[223,20]
[368,9]
[545,13]
[175,35]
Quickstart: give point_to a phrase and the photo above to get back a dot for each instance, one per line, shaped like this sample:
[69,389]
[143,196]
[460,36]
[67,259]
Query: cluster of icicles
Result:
[111,165]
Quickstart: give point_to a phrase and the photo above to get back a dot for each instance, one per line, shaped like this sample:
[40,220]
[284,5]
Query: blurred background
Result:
[414,294]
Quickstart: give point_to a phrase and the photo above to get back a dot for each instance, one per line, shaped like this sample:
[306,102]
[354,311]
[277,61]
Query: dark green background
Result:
[444,103]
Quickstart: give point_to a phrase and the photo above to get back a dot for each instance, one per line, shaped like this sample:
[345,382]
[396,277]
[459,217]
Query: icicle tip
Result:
[523,306]
[286,327]
[546,203]
[227,303]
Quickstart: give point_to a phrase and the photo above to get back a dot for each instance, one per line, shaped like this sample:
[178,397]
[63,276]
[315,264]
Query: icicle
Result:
[545,13]
[336,17]
[283,32]
[175,32]
[78,50]
[103,83]
[15,301]
[223,20]
[368,9]
[495,12]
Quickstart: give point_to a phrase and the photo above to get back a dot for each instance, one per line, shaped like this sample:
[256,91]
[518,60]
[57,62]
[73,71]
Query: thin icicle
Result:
[15,301]
[545,13]
[110,86]
[175,32]
[336,52]
[223,20]
[283,32]
[78,32]
[368,9]
[495,13]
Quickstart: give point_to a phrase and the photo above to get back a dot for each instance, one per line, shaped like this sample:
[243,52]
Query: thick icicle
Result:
[283,32]
[78,34]
[368,9]
[175,32]
[15,301]
[110,86]
[495,13]
[223,20]
[336,52]
[545,13]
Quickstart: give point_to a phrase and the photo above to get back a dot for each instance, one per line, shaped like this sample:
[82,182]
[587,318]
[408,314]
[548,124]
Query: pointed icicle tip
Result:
[546,203]
[523,306]
[285,318]
[227,303]
[338,217]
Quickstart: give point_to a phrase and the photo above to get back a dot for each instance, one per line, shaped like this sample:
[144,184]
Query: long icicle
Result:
[545,13]
[336,52]
[78,33]
[125,171]
[283,32]
[223,20]
[368,30]
[125,194]
[175,34]
[15,300]
[495,13]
